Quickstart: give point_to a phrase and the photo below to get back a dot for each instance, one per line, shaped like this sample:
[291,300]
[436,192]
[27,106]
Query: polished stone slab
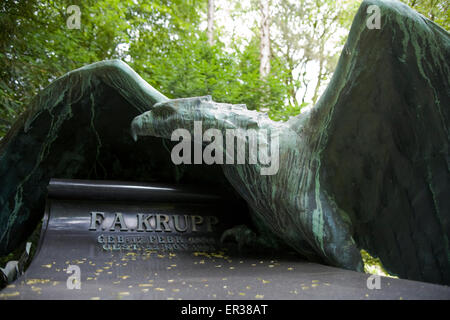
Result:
[209,276]
[120,256]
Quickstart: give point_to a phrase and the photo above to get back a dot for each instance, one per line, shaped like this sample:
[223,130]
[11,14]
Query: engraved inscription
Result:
[152,222]
[156,242]
[168,232]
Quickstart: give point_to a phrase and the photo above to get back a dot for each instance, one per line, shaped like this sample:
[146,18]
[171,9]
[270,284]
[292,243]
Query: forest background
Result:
[275,56]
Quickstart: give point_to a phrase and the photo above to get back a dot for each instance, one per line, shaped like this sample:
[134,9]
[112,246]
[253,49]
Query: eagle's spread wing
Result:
[383,135]
[79,126]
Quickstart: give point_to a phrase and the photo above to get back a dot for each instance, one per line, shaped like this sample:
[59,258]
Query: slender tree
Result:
[210,31]
[303,40]
[264,68]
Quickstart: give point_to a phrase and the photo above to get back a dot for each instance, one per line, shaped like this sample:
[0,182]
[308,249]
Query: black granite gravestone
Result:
[113,240]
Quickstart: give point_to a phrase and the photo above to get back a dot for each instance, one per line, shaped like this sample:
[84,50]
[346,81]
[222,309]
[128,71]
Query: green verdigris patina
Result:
[290,203]
[367,167]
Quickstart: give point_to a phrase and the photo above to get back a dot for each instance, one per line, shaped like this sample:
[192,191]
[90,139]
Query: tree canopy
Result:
[165,42]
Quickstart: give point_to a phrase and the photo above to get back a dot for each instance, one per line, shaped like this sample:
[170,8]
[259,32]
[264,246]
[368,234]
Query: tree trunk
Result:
[322,62]
[319,82]
[264,67]
[210,22]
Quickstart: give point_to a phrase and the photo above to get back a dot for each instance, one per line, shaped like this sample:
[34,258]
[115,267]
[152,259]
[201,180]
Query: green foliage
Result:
[37,47]
[159,39]
[162,41]
[373,265]
[435,10]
